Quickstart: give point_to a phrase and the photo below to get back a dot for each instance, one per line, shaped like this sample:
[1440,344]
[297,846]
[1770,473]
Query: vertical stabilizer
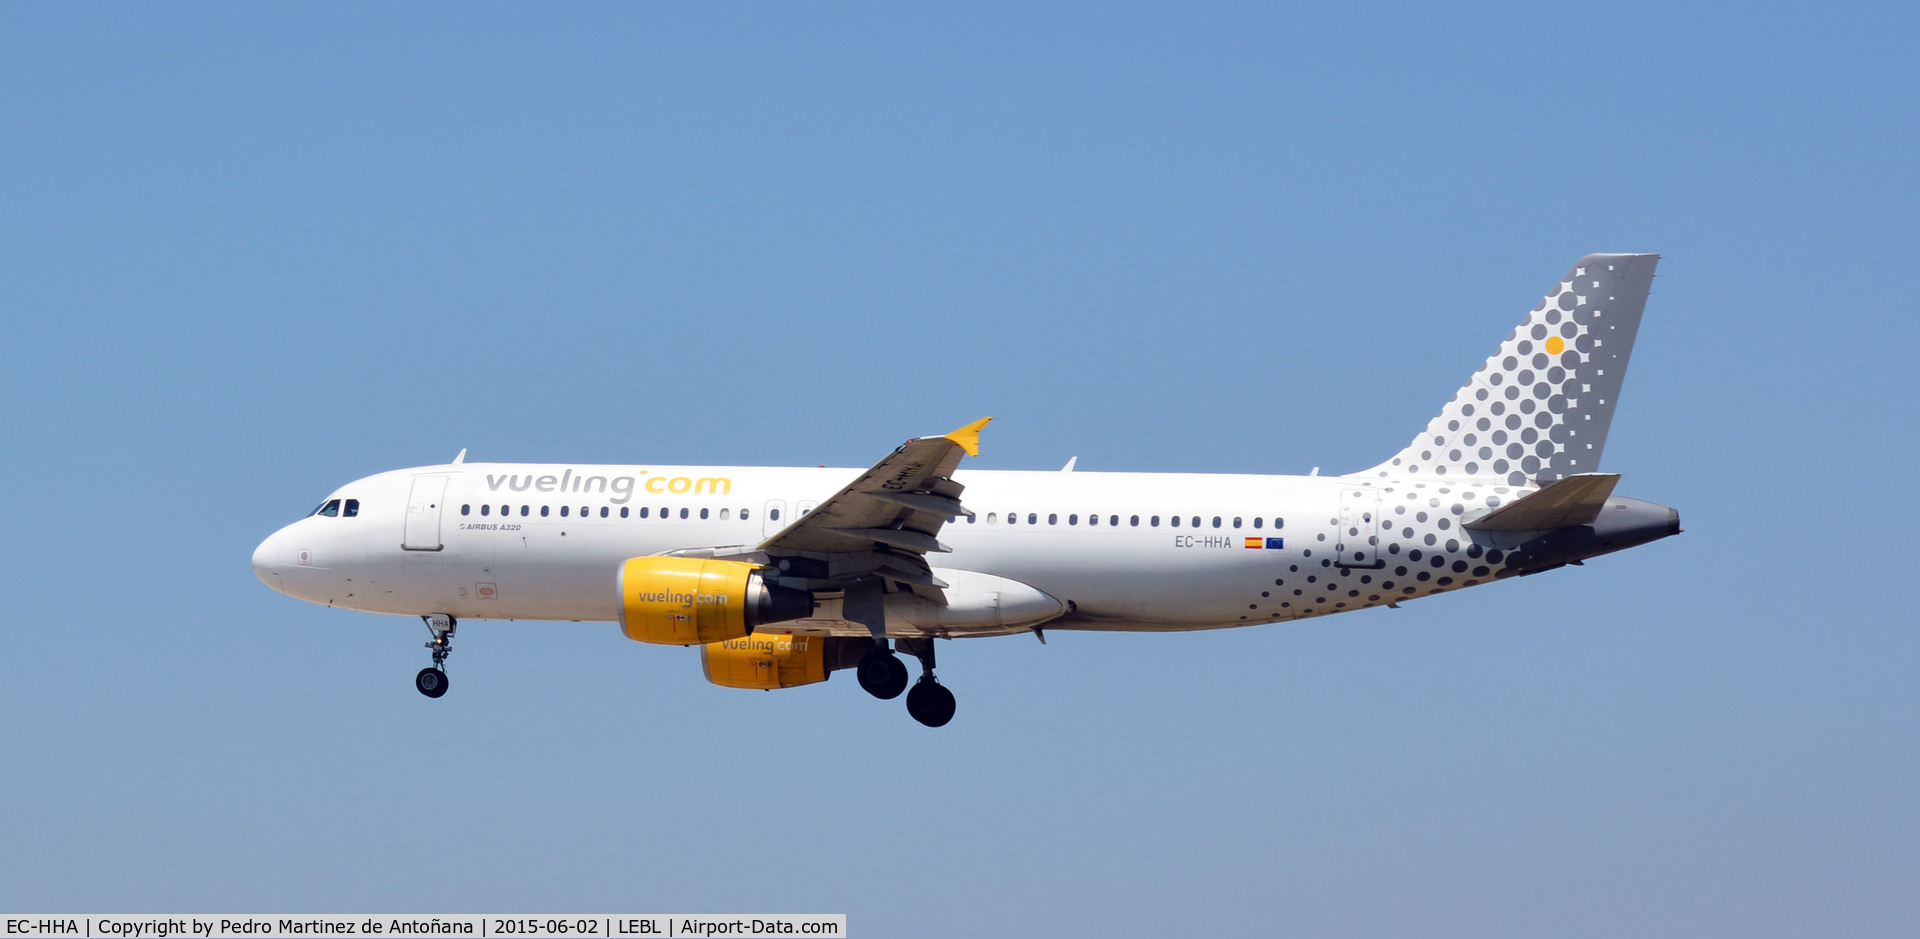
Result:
[1539,408]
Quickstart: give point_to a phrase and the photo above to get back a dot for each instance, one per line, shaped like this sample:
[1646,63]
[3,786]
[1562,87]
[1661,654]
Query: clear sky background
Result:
[249,253]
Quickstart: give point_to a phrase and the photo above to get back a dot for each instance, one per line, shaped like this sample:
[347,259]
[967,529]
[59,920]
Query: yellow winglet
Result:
[968,437]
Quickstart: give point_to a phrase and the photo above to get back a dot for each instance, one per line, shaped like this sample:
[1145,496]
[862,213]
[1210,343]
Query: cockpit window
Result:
[331,509]
[352,509]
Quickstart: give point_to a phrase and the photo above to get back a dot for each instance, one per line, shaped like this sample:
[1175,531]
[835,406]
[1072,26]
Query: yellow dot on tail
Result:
[1554,345]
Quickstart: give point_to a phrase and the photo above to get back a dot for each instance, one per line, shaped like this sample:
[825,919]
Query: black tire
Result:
[897,678]
[432,682]
[930,703]
[883,674]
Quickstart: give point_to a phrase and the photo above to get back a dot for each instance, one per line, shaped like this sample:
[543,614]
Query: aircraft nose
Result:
[267,560]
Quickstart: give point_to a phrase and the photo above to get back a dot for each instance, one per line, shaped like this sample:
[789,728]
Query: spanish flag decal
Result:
[1256,543]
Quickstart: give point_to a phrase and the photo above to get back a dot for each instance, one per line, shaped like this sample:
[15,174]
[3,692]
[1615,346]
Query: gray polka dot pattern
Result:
[1391,541]
[1539,408]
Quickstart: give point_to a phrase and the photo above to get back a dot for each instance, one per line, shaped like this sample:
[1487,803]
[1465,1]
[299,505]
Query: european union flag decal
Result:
[1276,544]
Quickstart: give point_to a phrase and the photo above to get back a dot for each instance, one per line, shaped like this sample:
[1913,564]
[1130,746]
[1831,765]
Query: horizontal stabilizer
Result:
[1573,500]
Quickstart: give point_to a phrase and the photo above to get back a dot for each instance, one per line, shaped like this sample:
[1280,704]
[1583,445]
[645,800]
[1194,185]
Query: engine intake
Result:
[693,601]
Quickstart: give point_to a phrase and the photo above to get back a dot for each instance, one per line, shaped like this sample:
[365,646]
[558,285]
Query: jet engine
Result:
[691,601]
[766,662]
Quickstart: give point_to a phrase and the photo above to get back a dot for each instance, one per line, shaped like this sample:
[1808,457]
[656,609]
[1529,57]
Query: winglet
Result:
[968,437]
[460,457]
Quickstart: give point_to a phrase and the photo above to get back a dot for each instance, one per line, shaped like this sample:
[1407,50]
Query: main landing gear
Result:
[882,673]
[885,676]
[432,681]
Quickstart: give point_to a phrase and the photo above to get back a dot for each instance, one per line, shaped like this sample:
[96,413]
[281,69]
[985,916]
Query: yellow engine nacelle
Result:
[766,662]
[691,601]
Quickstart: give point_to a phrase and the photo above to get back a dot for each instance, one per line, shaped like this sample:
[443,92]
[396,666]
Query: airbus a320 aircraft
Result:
[784,576]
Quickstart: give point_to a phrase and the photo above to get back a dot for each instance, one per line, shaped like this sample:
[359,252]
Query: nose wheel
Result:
[432,680]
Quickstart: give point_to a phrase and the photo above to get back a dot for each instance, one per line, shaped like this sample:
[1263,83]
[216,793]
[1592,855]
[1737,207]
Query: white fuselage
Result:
[1120,551]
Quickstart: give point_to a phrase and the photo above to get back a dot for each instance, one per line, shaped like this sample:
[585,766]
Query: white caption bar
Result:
[475,925]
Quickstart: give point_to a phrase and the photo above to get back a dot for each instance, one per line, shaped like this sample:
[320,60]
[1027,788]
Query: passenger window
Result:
[723,514]
[526,510]
[643,511]
[331,509]
[1013,518]
[1091,519]
[563,511]
[1279,523]
[703,513]
[543,511]
[1257,521]
[506,510]
[585,510]
[603,512]
[1155,522]
[623,511]
[486,509]
[1176,521]
[993,517]
[1216,521]
[1236,522]
[352,509]
[1053,519]
[1033,518]
[683,513]
[1135,521]
[773,515]
[1196,521]
[743,515]
[466,509]
[972,519]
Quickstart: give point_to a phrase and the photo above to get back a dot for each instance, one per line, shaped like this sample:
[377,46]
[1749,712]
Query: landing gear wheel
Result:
[930,703]
[432,682]
[883,674]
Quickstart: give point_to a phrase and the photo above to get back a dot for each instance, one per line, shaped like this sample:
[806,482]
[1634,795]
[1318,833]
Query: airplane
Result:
[783,576]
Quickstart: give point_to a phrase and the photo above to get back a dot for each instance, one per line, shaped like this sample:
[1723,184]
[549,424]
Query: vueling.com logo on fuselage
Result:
[621,486]
[678,598]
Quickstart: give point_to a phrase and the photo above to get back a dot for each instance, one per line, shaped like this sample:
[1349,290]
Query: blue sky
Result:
[249,253]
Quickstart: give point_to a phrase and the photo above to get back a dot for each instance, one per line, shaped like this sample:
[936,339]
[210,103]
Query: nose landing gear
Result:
[432,681]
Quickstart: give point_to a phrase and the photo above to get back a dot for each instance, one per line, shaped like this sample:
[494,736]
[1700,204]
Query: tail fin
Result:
[1540,406]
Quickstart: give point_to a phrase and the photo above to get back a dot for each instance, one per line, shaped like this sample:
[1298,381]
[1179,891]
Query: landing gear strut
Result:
[882,673]
[929,702]
[432,681]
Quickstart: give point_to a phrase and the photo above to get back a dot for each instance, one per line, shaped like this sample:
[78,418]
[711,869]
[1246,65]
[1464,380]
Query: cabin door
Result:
[1357,543]
[423,514]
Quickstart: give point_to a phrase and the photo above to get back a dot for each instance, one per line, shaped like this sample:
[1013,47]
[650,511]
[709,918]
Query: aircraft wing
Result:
[885,522]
